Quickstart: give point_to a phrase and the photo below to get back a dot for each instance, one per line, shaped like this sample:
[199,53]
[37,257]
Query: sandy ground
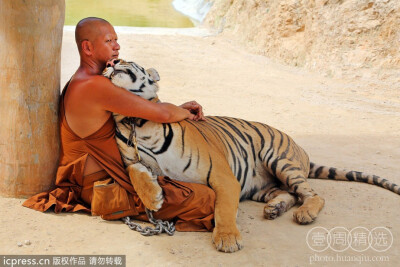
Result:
[350,124]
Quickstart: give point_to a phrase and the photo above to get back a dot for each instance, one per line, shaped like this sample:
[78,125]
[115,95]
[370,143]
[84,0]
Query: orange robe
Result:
[190,206]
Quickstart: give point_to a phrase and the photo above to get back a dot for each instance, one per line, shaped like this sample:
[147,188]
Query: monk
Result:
[89,157]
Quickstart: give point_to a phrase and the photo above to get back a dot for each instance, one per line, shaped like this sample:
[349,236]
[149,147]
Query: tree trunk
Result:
[30,57]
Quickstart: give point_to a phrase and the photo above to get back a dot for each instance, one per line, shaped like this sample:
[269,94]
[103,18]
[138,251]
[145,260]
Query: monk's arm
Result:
[115,99]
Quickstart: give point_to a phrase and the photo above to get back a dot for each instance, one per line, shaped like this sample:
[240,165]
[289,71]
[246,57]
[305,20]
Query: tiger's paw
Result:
[271,211]
[308,212]
[153,202]
[227,241]
[304,216]
[146,186]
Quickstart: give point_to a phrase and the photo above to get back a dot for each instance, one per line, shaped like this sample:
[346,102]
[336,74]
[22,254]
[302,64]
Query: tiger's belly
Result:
[172,167]
[169,164]
[188,151]
[194,169]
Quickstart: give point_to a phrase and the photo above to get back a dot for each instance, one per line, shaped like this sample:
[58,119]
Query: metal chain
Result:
[132,142]
[160,226]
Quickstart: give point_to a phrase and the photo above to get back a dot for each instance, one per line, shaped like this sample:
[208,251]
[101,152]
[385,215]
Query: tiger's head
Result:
[134,78]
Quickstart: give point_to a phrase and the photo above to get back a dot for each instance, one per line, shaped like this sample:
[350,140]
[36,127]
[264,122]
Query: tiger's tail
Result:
[323,172]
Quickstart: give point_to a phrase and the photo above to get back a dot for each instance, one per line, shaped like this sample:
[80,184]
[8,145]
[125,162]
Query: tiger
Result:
[238,159]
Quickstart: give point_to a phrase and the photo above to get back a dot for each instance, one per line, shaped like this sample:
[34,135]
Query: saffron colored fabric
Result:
[190,206]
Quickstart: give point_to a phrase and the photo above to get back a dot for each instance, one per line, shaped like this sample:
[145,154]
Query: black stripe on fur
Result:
[209,172]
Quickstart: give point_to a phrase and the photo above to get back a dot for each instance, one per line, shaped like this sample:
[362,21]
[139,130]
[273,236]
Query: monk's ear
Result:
[87,47]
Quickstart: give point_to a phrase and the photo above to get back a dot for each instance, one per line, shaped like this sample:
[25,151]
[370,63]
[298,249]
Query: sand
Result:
[351,124]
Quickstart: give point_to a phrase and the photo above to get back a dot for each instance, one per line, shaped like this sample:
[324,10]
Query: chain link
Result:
[160,226]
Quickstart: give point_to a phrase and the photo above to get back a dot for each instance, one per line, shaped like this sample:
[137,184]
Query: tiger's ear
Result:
[154,74]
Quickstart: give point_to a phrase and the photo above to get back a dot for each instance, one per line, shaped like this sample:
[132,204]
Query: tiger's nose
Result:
[112,63]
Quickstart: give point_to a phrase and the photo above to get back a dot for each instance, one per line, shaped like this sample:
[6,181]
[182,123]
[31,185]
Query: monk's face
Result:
[105,44]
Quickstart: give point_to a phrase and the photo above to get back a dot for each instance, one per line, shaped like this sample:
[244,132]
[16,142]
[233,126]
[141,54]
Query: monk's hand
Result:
[112,62]
[196,109]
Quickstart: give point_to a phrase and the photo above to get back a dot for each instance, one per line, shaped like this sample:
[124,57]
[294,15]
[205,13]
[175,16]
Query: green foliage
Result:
[137,13]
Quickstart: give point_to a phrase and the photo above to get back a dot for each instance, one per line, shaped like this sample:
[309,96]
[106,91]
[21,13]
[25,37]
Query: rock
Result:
[312,33]
[27,242]
[19,244]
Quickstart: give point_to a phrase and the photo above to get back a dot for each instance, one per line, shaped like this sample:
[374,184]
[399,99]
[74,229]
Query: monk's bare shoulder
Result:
[89,88]
[89,83]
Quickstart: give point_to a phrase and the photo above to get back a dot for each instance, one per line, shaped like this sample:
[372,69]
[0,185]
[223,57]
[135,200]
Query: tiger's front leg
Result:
[146,186]
[226,236]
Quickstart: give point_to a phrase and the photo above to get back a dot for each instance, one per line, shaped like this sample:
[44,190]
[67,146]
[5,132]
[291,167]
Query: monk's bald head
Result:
[89,29]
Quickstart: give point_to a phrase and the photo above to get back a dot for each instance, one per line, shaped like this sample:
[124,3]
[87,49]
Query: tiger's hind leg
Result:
[278,201]
[295,179]
[285,160]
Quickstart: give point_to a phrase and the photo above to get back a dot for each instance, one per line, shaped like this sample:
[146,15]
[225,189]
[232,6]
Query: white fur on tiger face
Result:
[137,79]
